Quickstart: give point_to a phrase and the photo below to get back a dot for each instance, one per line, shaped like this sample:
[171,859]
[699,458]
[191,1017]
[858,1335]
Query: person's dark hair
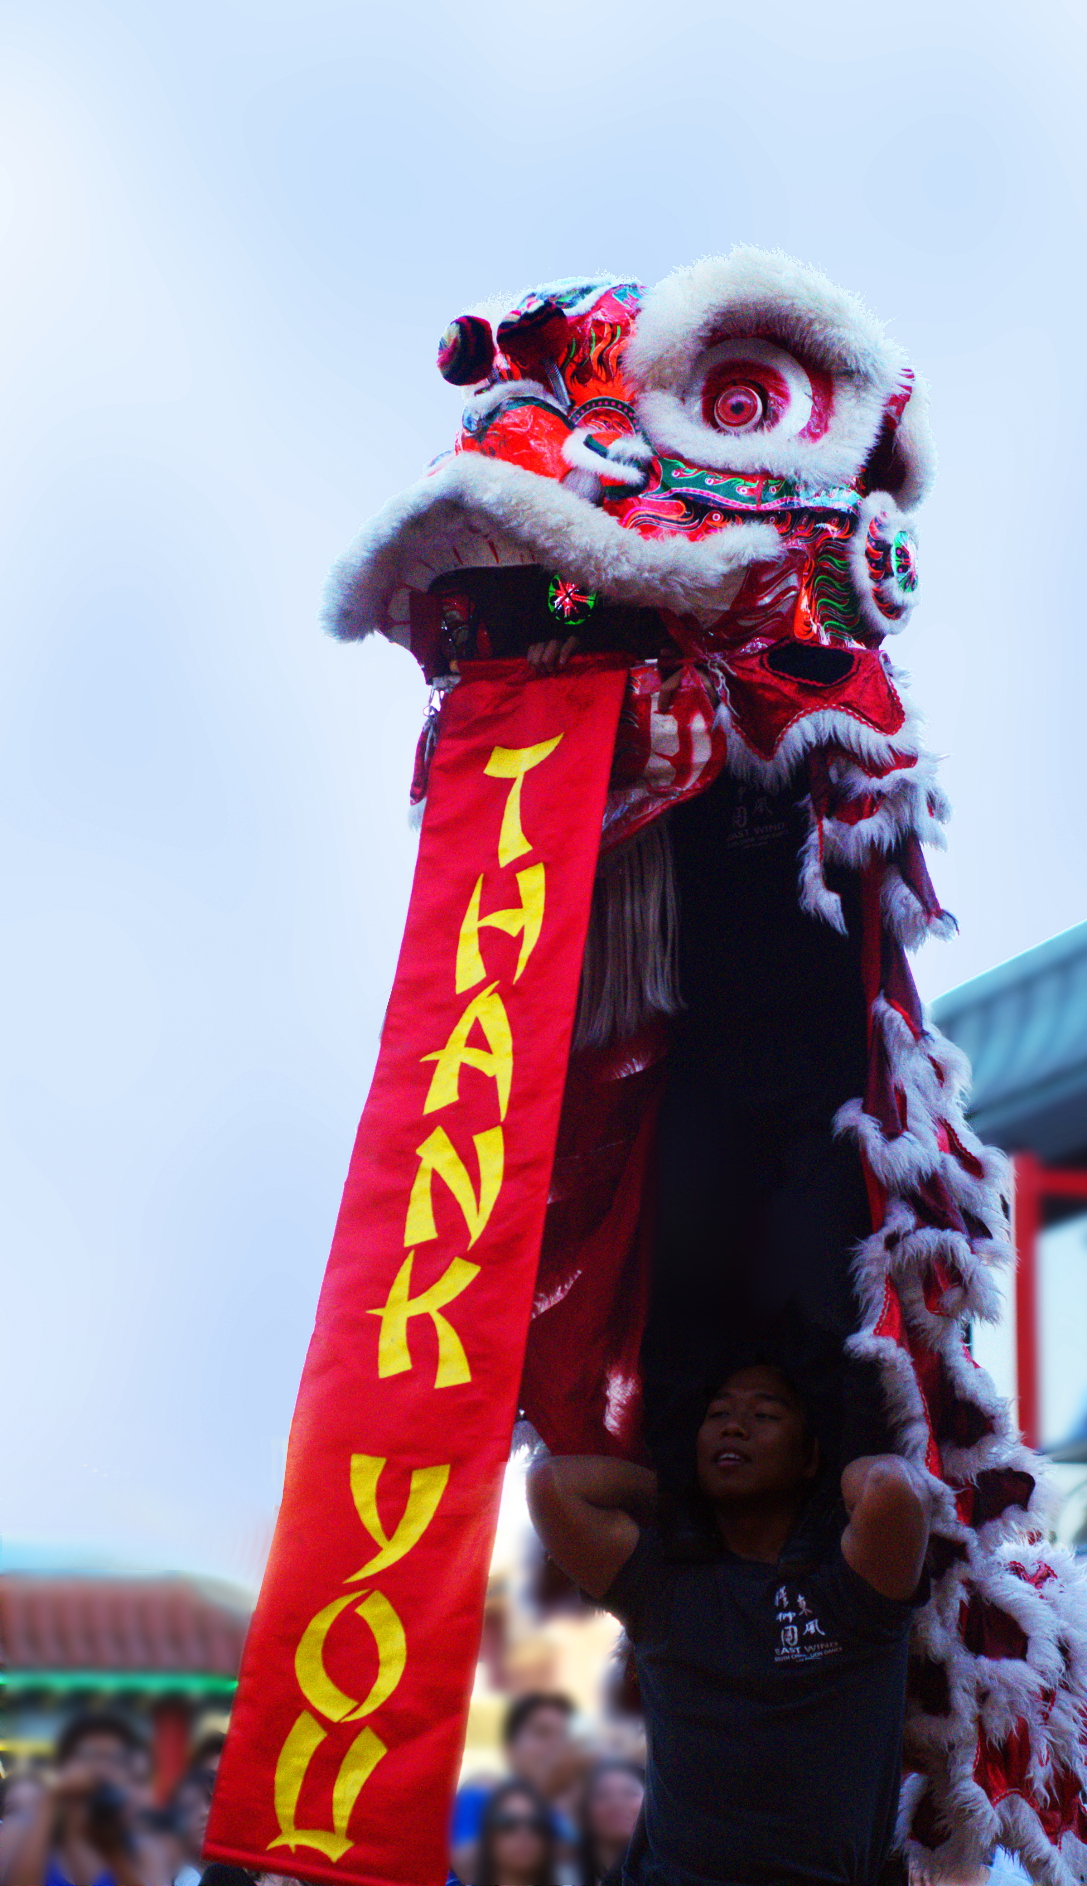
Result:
[810,1362]
[523,1707]
[218,1874]
[490,1826]
[79,1729]
[193,1778]
[588,1865]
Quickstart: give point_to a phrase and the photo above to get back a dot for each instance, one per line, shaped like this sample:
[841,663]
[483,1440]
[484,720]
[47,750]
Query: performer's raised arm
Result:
[588,1513]
[767,1641]
[887,1535]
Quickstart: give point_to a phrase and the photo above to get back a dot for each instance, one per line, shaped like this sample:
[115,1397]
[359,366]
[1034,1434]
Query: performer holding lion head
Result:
[769,1225]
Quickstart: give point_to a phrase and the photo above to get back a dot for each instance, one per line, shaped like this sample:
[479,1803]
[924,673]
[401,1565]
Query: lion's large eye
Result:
[751,385]
[740,406]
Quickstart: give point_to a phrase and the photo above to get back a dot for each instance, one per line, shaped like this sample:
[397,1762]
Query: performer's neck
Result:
[758,1528]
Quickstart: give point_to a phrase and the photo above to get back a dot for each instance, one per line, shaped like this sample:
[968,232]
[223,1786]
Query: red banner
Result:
[347,1732]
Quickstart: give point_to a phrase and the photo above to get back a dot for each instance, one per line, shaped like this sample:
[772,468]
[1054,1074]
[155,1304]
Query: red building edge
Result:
[1036,1185]
[164,1651]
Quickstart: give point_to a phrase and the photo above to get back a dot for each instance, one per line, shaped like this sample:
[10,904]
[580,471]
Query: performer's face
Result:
[754,1439]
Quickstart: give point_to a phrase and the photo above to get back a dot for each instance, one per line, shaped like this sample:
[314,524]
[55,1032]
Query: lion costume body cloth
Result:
[717,478]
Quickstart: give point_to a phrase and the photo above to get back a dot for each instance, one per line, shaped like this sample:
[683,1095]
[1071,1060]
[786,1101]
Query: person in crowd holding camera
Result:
[83,1829]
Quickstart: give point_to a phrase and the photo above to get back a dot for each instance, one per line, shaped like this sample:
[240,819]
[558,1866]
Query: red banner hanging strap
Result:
[349,1722]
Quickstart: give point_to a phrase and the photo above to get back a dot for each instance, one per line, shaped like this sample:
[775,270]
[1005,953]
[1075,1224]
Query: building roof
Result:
[120,1627]
[1024,1026]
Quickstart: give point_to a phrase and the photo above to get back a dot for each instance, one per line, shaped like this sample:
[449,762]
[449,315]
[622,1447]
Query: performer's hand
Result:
[673,676]
[922,1874]
[889,1509]
[547,656]
[75,1780]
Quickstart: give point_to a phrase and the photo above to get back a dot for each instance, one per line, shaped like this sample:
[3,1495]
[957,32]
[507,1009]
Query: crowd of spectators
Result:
[91,1817]
[559,1813]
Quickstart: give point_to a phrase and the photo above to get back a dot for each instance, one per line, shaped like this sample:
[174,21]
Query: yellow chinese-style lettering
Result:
[526,922]
[488,1011]
[323,1695]
[355,1769]
[393,1354]
[314,1681]
[392,1651]
[437,1154]
[513,763]
[424,1494]
[320,1692]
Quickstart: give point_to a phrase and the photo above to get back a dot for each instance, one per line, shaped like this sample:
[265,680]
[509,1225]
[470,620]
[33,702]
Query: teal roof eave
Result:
[1024,1027]
[1052,954]
[147,1682]
[997,1118]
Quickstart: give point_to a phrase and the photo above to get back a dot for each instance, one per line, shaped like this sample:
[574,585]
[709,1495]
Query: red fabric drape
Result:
[349,1722]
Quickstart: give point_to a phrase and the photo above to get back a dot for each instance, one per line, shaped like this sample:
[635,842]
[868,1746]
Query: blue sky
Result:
[229,238]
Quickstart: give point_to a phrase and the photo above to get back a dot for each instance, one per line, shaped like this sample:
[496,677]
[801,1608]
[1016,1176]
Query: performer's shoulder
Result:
[857,1605]
[646,1574]
[659,1570]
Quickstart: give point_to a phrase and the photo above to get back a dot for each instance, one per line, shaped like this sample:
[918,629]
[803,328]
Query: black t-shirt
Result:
[774,996]
[773,1703]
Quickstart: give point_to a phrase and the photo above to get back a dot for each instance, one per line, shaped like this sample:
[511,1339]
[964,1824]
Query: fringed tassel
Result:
[630,972]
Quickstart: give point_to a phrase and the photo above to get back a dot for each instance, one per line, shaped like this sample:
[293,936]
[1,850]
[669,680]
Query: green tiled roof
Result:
[1024,1026]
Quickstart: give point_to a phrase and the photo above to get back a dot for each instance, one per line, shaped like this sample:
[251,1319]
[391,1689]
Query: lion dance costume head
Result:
[712,484]
[655,446]
[741,451]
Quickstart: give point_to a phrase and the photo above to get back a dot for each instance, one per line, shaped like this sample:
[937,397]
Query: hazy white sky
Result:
[229,238]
